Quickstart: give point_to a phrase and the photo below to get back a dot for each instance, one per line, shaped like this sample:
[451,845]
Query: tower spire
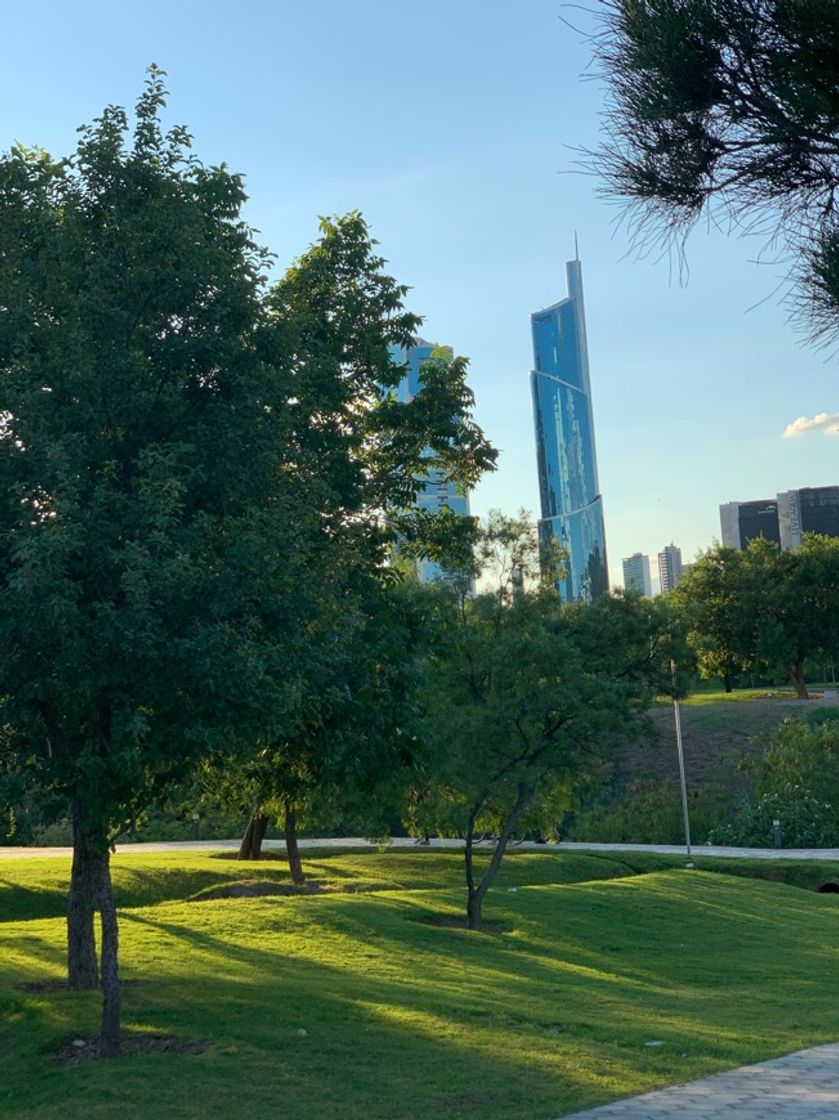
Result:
[576,247]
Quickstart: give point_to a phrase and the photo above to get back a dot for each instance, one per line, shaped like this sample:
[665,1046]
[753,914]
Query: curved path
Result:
[829,854]
[801,1086]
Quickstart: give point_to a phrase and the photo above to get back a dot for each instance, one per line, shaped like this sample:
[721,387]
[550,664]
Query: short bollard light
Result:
[776,832]
[196,835]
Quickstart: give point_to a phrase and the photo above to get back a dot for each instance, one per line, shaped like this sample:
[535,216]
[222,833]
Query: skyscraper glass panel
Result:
[438,490]
[572,507]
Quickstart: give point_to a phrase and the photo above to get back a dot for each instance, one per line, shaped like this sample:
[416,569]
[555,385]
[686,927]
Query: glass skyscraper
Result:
[572,508]
[438,490]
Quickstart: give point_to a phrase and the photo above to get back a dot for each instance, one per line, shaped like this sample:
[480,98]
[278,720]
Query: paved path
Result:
[802,1086]
[830,854]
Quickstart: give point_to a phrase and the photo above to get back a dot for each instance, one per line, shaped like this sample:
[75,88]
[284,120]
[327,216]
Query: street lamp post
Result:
[677,719]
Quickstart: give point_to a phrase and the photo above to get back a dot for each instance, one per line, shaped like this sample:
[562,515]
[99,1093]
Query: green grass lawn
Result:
[407,1019]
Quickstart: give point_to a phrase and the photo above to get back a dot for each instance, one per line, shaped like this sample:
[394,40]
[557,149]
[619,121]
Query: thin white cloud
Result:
[827,422]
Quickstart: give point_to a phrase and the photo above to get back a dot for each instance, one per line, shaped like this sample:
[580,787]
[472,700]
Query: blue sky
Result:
[452,126]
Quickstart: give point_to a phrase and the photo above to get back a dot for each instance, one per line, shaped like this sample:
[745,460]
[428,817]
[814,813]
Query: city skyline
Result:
[473,214]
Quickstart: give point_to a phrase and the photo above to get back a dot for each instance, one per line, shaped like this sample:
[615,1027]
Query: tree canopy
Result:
[197,474]
[761,609]
[524,697]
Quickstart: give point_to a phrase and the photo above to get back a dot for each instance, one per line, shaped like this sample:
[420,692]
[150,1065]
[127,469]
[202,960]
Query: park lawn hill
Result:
[407,1015]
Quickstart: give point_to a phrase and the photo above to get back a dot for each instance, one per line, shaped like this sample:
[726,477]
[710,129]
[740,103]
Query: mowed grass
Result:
[408,1020]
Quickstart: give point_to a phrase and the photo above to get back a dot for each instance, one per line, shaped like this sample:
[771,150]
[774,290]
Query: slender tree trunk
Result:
[796,675]
[473,908]
[109,1040]
[727,679]
[245,846]
[82,902]
[475,895]
[259,829]
[251,846]
[295,864]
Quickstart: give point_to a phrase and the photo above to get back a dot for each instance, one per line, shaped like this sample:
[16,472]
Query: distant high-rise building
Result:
[670,567]
[572,508]
[438,490]
[810,510]
[636,573]
[742,522]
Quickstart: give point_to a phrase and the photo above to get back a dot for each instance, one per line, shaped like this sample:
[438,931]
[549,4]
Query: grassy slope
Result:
[407,1020]
[718,734]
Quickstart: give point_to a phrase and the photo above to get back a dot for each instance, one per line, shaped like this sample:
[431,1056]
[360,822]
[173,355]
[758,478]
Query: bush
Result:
[650,813]
[797,783]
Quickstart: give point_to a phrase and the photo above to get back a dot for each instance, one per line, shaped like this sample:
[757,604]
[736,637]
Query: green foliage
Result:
[762,609]
[140,481]
[200,480]
[649,812]
[797,782]
[729,107]
[523,696]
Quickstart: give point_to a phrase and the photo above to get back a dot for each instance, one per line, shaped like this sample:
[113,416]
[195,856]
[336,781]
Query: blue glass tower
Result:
[438,490]
[572,508]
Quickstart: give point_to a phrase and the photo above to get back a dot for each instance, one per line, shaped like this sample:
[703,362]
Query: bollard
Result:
[196,833]
[776,832]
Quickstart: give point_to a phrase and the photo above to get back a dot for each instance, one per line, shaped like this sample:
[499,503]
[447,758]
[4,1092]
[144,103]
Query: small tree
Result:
[362,456]
[719,595]
[524,696]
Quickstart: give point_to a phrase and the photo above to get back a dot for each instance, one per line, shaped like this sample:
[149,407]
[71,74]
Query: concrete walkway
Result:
[829,854]
[802,1086]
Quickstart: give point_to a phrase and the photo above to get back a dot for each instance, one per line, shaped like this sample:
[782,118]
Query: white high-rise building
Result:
[670,567]
[636,573]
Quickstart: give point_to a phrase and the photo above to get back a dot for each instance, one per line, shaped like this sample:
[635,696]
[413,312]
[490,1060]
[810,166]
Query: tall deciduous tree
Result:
[523,696]
[729,107]
[362,456]
[145,520]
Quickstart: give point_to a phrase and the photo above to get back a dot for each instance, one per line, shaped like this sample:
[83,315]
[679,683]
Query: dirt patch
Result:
[270,854]
[717,737]
[254,888]
[86,1049]
[458,921]
[57,985]
[264,888]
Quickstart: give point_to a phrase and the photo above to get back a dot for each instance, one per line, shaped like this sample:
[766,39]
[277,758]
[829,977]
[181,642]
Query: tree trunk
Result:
[245,846]
[727,680]
[475,895]
[82,902]
[295,864]
[796,675]
[251,846]
[109,1040]
[473,905]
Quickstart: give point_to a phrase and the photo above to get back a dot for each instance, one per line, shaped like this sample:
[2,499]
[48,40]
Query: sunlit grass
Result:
[408,1020]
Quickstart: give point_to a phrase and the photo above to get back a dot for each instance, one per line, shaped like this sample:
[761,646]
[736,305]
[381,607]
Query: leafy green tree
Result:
[716,595]
[142,573]
[728,108]
[341,319]
[797,783]
[761,608]
[523,697]
[801,609]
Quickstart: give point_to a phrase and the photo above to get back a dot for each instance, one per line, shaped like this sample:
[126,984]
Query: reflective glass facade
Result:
[572,508]
[438,490]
